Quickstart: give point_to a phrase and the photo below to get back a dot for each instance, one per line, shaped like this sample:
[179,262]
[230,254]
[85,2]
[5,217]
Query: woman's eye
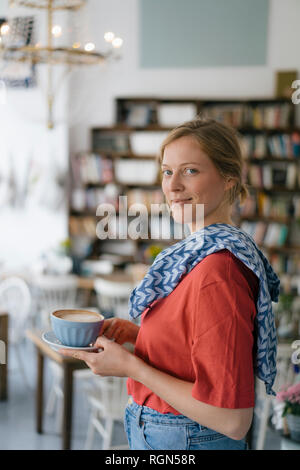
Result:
[166,172]
[191,171]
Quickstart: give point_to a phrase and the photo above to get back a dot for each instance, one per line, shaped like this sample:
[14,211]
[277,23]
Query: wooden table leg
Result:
[4,356]
[67,410]
[39,391]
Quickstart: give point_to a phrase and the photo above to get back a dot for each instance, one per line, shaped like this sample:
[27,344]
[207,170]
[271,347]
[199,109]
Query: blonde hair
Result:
[221,144]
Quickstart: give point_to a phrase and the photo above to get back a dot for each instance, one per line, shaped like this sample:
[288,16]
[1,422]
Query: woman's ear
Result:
[229,183]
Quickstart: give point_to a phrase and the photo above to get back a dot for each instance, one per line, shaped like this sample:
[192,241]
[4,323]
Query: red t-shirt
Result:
[203,333]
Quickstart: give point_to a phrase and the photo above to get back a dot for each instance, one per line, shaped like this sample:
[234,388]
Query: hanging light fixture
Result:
[50,55]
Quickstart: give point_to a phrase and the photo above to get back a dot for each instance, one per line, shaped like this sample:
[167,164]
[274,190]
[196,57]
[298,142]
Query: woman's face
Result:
[190,178]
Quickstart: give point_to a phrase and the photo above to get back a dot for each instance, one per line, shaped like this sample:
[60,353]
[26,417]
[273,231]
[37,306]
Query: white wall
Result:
[126,78]
[30,228]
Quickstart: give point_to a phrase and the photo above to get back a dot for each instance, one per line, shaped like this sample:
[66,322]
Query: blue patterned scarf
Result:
[179,259]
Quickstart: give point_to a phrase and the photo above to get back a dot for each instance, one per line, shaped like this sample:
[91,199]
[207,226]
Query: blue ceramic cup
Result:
[77,328]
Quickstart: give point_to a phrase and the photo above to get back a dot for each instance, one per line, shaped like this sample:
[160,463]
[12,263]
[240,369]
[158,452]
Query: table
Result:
[3,348]
[88,282]
[69,365]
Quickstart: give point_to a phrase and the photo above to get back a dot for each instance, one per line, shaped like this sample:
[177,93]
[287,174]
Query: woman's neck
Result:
[224,218]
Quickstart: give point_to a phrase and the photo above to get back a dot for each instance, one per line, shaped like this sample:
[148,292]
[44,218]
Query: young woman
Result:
[207,322]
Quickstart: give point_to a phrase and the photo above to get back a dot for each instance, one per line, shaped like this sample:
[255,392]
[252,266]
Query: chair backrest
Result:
[15,299]
[55,292]
[111,394]
[113,296]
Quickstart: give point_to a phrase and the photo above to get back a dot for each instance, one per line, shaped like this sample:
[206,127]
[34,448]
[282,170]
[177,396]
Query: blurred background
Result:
[88,90]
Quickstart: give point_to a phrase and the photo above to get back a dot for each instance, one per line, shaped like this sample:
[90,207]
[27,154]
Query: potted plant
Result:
[290,396]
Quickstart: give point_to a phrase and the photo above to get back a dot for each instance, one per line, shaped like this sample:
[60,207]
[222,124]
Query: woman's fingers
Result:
[102,342]
[82,355]
[109,327]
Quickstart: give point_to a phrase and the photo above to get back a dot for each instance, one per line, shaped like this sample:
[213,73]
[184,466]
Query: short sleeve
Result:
[222,351]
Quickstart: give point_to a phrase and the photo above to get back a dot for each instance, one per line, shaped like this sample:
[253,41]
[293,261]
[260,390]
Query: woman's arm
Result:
[115,360]
[234,423]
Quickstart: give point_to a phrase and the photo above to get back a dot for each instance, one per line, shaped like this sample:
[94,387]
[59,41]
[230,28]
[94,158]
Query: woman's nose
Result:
[175,183]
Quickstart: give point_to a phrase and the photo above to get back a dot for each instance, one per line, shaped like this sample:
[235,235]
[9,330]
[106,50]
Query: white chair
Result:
[52,293]
[113,297]
[54,403]
[107,397]
[266,404]
[15,299]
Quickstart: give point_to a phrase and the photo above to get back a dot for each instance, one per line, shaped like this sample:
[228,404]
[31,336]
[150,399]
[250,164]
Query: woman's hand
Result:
[113,360]
[122,331]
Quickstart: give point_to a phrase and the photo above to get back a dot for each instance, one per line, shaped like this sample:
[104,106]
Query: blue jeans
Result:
[147,429]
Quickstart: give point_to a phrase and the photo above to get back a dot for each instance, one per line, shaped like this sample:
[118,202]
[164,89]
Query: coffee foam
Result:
[82,316]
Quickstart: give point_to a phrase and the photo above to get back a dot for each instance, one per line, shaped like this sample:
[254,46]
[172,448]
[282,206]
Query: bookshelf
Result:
[121,161]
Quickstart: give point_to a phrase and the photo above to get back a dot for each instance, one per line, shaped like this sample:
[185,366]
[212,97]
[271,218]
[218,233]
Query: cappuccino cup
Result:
[75,327]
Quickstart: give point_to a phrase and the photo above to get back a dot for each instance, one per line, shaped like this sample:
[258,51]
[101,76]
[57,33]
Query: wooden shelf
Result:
[269,219]
[123,131]
[272,160]
[282,249]
[279,189]
[117,155]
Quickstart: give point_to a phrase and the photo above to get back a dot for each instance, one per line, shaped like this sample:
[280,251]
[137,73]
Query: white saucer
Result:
[50,338]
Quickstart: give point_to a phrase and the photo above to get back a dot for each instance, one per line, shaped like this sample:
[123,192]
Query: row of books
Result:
[83,227]
[276,146]
[263,205]
[162,114]
[273,175]
[91,168]
[145,197]
[267,116]
[110,141]
[139,142]
[240,115]
[88,199]
[267,234]
[282,263]
[279,206]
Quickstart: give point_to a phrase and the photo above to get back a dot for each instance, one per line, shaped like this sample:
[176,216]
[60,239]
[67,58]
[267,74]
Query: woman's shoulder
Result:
[223,266]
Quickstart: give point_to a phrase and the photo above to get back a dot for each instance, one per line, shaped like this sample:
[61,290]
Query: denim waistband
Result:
[155,416]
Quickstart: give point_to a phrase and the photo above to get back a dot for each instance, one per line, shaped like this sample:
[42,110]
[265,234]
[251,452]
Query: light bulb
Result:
[57,31]
[5,28]
[89,46]
[117,42]
[76,45]
[109,36]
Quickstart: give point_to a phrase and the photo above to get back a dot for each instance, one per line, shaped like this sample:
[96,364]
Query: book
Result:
[291,177]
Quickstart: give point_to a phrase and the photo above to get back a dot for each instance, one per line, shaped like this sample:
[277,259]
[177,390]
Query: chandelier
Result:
[36,54]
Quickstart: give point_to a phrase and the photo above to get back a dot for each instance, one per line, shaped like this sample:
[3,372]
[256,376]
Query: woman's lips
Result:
[180,201]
